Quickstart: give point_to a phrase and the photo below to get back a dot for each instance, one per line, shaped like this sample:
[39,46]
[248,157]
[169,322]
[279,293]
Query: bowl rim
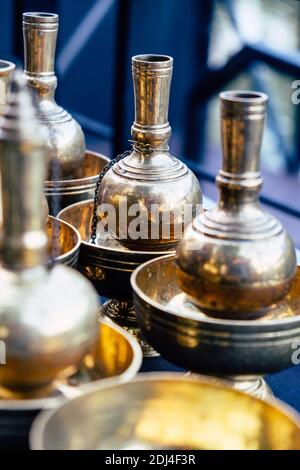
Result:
[249,324]
[6,67]
[57,184]
[60,258]
[40,422]
[45,403]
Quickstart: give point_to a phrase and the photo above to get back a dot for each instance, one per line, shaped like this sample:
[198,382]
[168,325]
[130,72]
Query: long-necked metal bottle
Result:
[154,187]
[6,70]
[48,318]
[237,259]
[65,139]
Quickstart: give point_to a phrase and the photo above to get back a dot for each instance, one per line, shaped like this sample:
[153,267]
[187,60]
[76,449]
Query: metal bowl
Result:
[178,329]
[62,193]
[117,358]
[108,266]
[164,411]
[63,242]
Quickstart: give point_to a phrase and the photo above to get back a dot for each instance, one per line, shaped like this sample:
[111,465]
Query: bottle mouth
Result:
[152,61]
[40,17]
[6,66]
[244,97]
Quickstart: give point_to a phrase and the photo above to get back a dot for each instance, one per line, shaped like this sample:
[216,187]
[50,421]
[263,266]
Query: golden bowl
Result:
[182,333]
[164,411]
[116,358]
[109,265]
[62,193]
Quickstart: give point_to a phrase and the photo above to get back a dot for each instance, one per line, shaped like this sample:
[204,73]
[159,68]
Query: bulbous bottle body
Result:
[150,207]
[48,324]
[226,276]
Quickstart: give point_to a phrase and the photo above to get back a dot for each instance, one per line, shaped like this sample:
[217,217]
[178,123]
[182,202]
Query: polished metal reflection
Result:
[63,193]
[115,358]
[108,265]
[122,312]
[164,411]
[65,138]
[48,318]
[236,260]
[186,336]
[149,176]
[6,70]
[63,242]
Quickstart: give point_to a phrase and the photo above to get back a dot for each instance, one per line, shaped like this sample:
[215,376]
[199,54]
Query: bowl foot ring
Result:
[255,386]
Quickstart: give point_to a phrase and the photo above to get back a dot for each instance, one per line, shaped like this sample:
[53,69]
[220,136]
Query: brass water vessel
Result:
[73,170]
[149,181]
[64,136]
[236,260]
[48,317]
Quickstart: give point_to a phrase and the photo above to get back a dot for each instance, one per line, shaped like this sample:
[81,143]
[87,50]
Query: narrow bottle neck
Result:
[43,86]
[40,37]
[242,125]
[152,75]
[22,170]
[23,235]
